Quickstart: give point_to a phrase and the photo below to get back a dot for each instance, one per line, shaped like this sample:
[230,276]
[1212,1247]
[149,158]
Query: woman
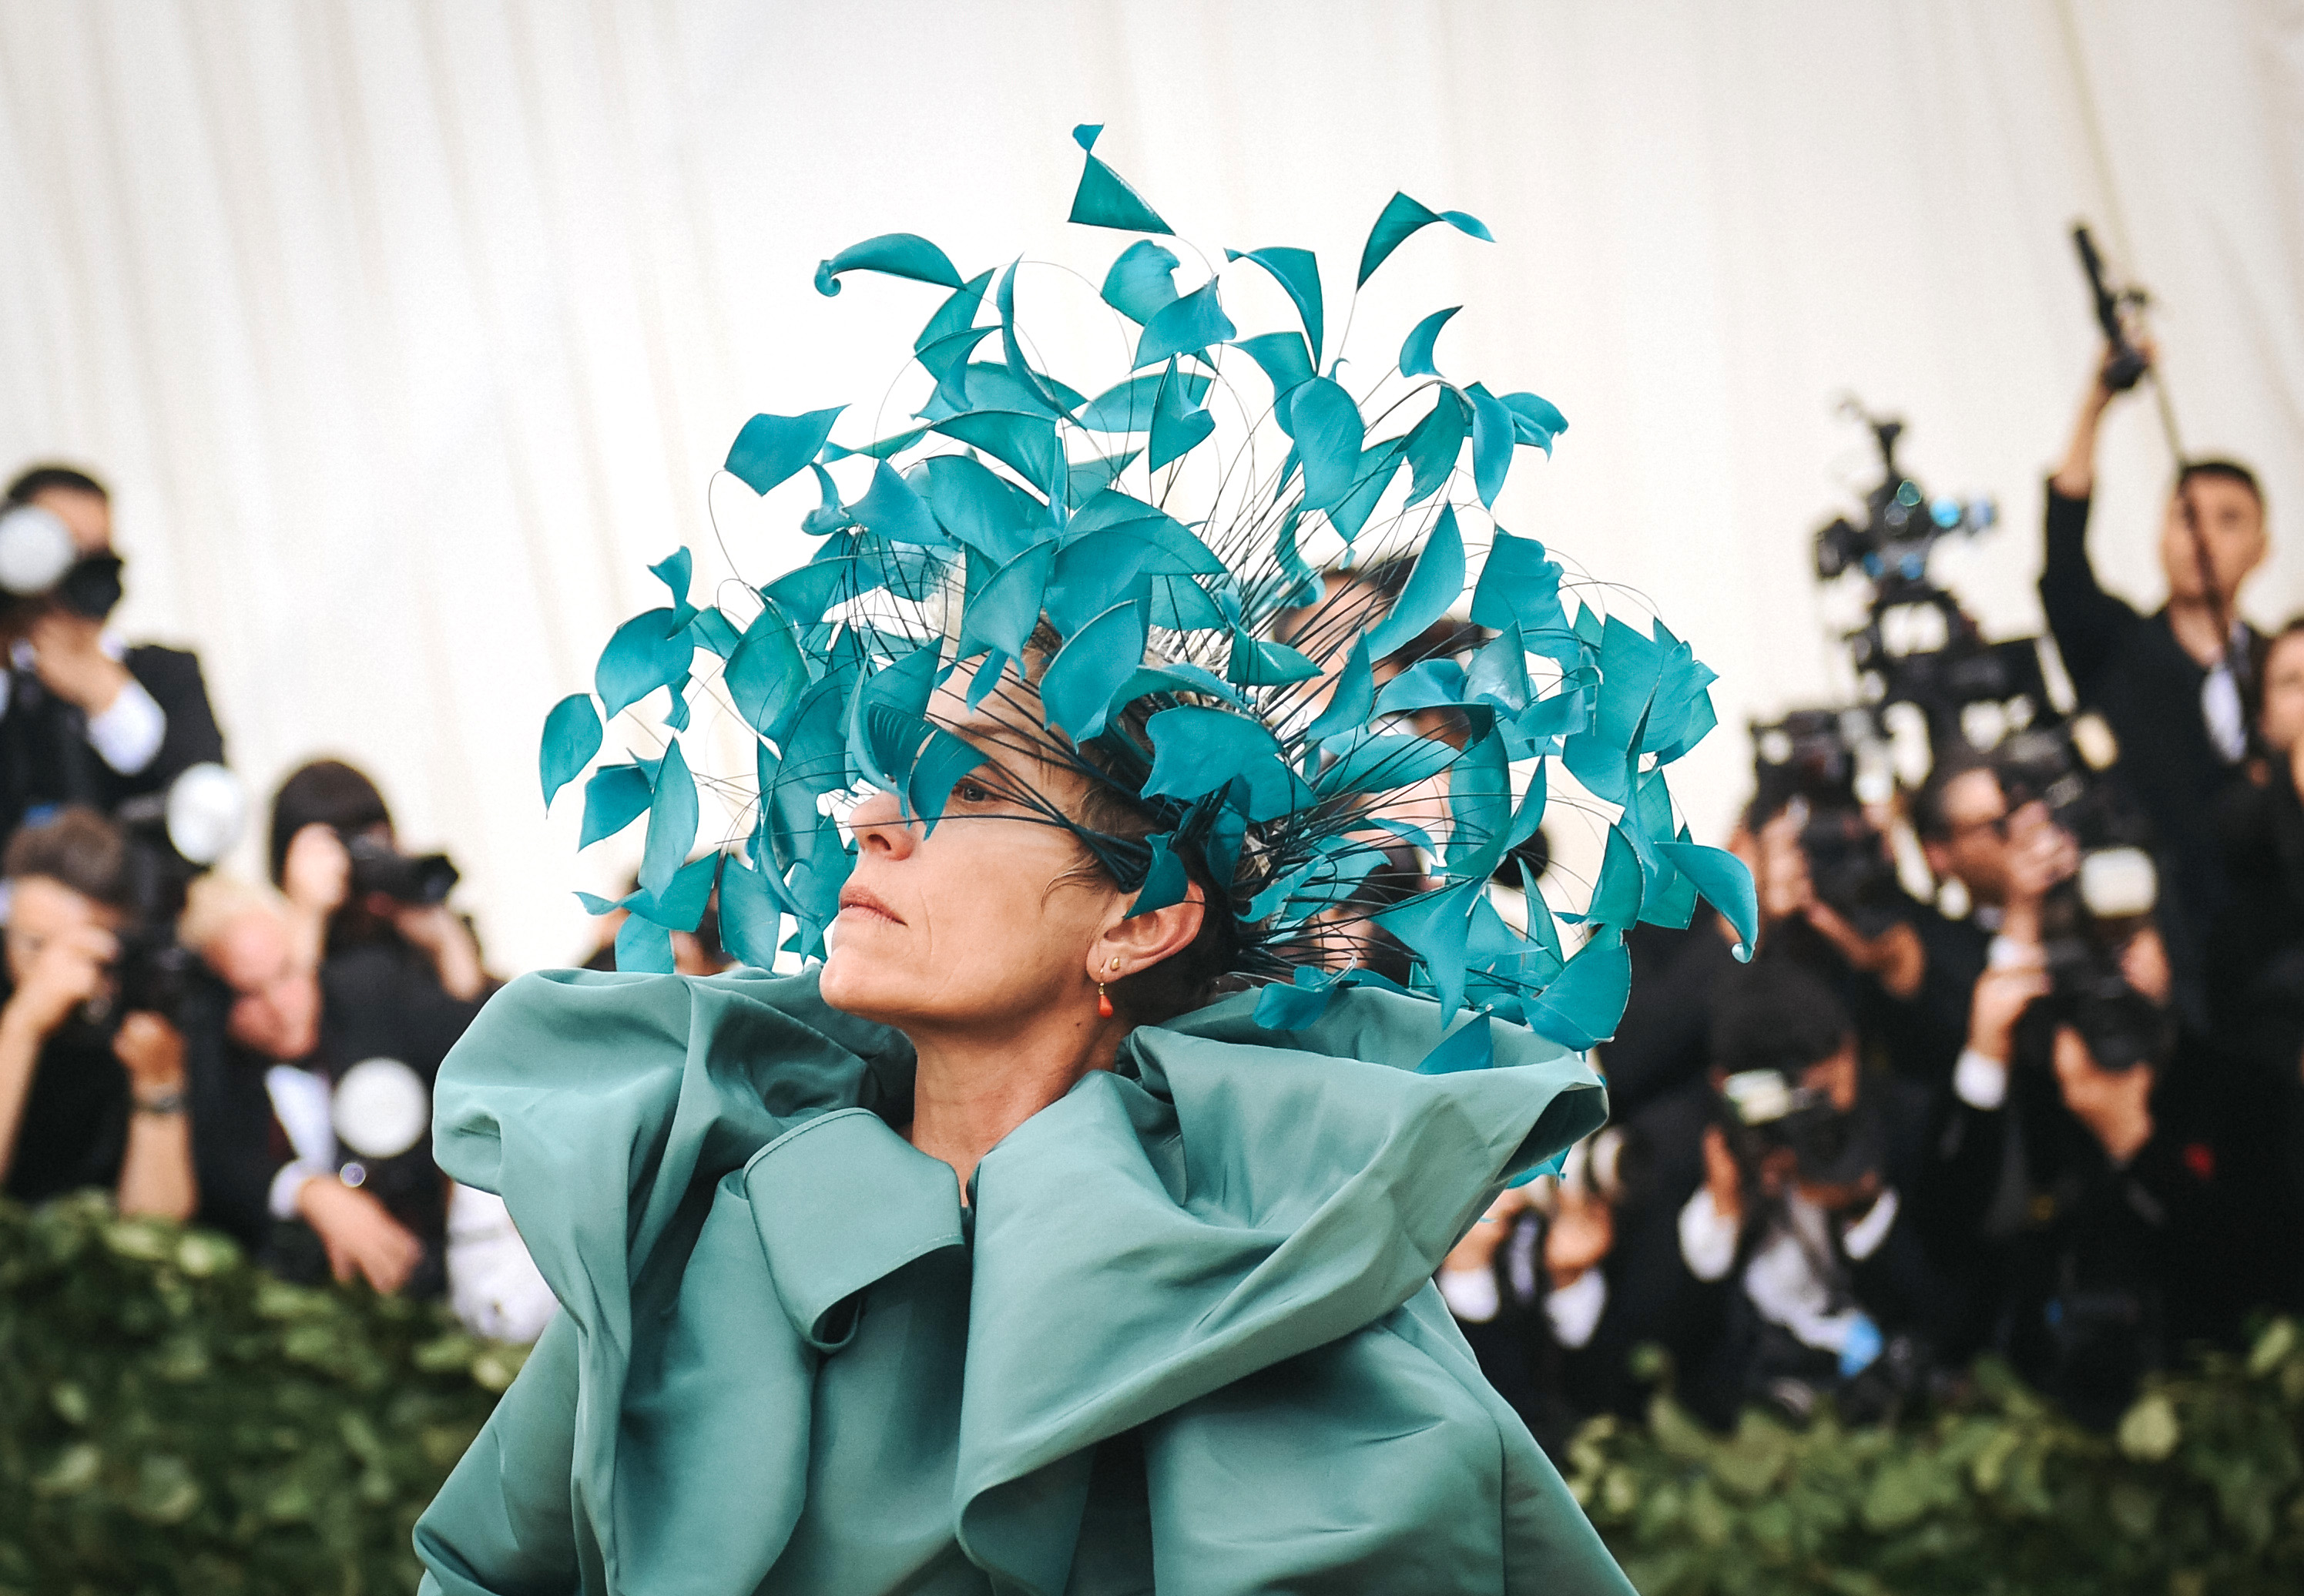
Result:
[1003,1251]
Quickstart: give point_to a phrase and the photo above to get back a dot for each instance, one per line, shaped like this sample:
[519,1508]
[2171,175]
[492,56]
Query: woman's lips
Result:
[864,903]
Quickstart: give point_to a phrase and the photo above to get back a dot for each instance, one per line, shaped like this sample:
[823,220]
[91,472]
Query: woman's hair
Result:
[326,792]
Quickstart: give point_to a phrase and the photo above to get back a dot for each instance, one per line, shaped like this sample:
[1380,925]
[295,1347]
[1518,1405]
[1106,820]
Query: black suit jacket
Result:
[45,758]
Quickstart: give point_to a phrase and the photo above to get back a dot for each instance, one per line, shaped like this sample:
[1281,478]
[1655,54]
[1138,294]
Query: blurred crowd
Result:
[1914,1129]
[2006,1098]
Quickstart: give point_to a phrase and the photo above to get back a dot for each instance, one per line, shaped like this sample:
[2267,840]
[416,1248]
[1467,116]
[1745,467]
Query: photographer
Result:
[334,854]
[82,1103]
[2168,684]
[2004,861]
[84,717]
[1799,1238]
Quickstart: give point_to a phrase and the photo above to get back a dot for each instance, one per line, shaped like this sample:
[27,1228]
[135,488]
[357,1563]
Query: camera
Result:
[2089,918]
[421,880]
[1825,765]
[1765,1110]
[41,567]
[170,838]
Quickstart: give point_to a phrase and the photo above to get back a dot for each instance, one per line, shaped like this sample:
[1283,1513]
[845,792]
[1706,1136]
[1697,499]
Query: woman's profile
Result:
[1067,1222]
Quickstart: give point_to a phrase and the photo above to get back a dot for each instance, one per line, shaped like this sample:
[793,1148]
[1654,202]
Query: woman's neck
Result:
[973,1088]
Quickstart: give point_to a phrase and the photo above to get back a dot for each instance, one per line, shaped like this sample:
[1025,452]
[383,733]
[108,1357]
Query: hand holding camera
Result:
[69,970]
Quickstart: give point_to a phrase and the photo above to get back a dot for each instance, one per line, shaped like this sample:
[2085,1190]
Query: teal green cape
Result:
[1184,1329]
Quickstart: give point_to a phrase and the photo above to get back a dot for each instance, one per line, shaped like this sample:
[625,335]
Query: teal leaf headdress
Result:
[1284,734]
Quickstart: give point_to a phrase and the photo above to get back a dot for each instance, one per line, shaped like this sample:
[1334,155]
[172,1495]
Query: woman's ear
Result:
[1136,942]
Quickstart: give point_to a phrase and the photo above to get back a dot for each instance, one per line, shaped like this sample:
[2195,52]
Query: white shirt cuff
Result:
[2004,951]
[1574,1310]
[1861,1239]
[289,1182]
[129,734]
[1471,1294]
[1707,1239]
[1979,1082]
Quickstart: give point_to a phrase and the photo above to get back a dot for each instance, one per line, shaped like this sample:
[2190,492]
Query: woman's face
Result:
[2281,718]
[980,922]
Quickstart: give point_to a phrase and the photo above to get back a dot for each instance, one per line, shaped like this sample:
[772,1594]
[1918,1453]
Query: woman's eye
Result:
[971,792]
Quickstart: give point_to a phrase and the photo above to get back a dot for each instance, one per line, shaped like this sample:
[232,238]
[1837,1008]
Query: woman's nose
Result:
[878,822]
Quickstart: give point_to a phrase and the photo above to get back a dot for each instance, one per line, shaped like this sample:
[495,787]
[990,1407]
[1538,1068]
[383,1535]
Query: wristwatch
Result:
[170,1102]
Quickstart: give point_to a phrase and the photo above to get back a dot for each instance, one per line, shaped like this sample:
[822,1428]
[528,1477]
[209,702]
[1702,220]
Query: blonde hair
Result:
[215,901]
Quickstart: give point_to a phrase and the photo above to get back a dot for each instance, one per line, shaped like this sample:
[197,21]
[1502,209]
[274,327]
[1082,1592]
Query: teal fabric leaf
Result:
[1019,368]
[616,796]
[1427,684]
[1305,585]
[1352,700]
[1079,687]
[1178,677]
[1105,200]
[710,631]
[1142,282]
[1437,582]
[1297,271]
[964,384]
[1180,605]
[1492,442]
[767,675]
[772,448]
[806,592]
[943,762]
[1002,615]
[1582,1006]
[1086,478]
[1434,926]
[672,815]
[1294,1006]
[1479,808]
[751,915]
[677,570]
[1285,360]
[1255,663]
[1187,327]
[1403,217]
[1197,751]
[1536,420]
[1616,896]
[640,658]
[979,508]
[1374,473]
[1415,349]
[1726,884]
[1541,930]
[884,728]
[882,450]
[1379,761]
[1498,674]
[892,254]
[1179,425]
[1434,444]
[1026,444]
[1471,1046]
[571,736]
[1127,405]
[1327,427]
[956,315]
[1631,668]
[892,509]
[643,947]
[1519,586]
[1166,881]
[680,906]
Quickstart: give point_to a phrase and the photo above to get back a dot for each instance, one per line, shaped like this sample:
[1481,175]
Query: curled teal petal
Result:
[772,448]
[571,736]
[893,255]
[1142,282]
[751,915]
[643,947]
[1105,200]
[1726,884]
[1165,882]
[640,658]
[1437,582]
[1434,444]
[766,676]
[1008,606]
[673,816]
[1586,1000]
[1285,360]
[1187,327]
[1402,217]
[1079,687]
[1471,1046]
[680,906]
[1328,431]
[1179,425]
[1296,271]
[893,509]
[616,796]
[1493,437]
[1353,699]
[943,760]
[1415,349]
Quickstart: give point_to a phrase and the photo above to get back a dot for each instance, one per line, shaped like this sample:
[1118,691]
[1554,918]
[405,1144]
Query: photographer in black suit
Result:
[84,717]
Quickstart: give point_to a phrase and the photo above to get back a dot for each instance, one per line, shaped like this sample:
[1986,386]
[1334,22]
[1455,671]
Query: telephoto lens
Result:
[420,879]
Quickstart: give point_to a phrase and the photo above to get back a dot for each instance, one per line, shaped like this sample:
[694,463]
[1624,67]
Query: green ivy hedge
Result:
[2200,1491]
[172,1419]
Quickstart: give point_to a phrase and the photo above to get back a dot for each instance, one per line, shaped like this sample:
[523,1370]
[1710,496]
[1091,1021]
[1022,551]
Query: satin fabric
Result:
[1184,1330]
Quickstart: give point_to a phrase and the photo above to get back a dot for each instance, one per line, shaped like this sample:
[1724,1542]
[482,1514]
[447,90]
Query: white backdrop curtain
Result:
[410,331]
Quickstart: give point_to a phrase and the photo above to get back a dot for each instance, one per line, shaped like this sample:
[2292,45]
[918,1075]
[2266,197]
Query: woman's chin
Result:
[855,983]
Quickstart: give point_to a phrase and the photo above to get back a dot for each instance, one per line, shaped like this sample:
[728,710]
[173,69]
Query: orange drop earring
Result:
[1103,1002]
